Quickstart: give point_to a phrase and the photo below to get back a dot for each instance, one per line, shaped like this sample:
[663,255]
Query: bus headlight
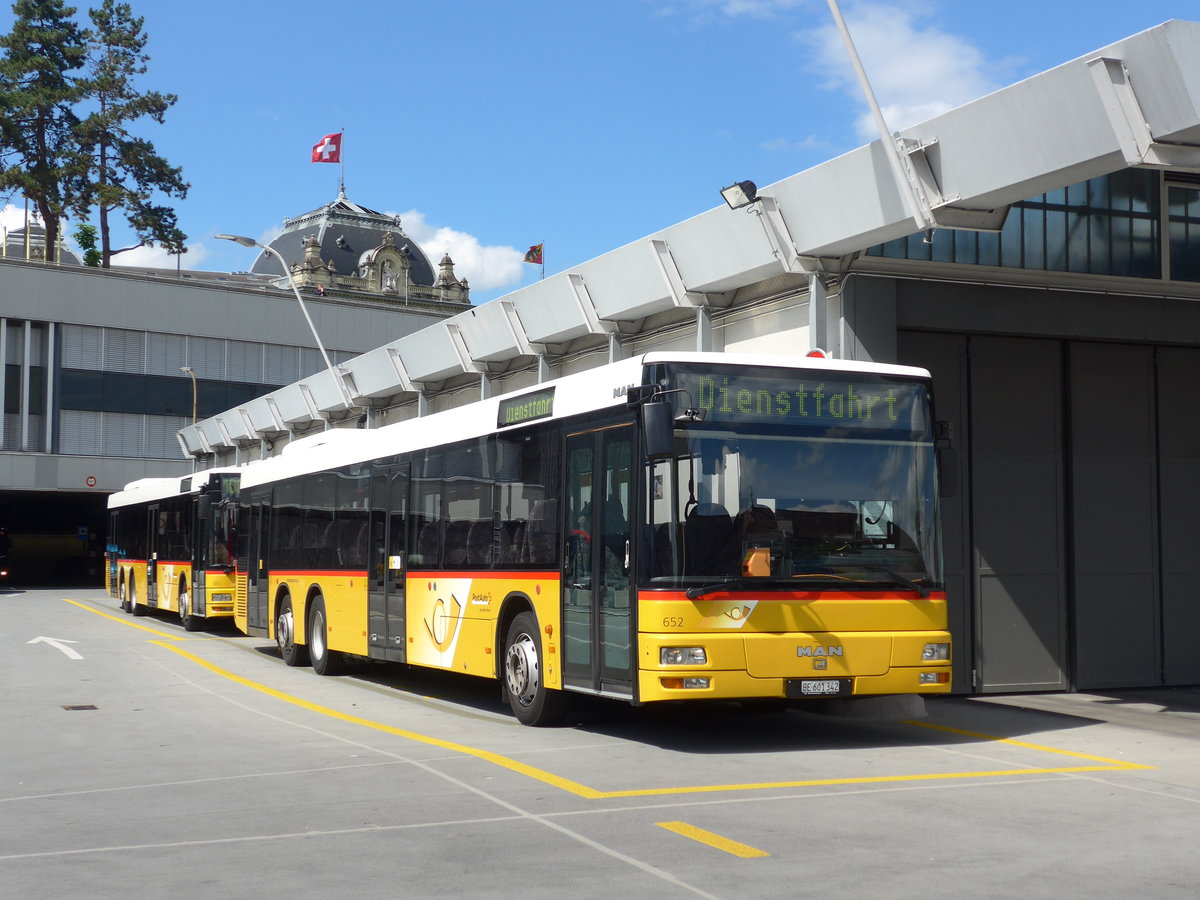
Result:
[935,651]
[683,656]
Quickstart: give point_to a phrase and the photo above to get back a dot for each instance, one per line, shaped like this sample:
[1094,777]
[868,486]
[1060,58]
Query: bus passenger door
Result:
[258,598]
[385,600]
[599,623]
[153,534]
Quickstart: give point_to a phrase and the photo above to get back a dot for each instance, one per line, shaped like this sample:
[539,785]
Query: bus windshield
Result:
[762,496]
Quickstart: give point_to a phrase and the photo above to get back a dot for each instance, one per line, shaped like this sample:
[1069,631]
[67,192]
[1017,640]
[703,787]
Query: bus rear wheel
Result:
[531,701]
[134,607]
[324,660]
[285,635]
[123,595]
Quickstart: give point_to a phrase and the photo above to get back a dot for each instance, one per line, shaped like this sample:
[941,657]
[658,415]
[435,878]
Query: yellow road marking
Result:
[589,793]
[1015,743]
[713,840]
[154,631]
[486,755]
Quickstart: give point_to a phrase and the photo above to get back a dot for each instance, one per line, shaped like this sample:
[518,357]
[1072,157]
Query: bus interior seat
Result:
[427,544]
[541,531]
[709,540]
[454,548]
[479,543]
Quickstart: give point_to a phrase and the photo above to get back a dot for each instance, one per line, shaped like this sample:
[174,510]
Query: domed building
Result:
[344,248]
[30,243]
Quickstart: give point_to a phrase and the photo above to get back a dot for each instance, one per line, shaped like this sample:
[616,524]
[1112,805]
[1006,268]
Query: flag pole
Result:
[342,163]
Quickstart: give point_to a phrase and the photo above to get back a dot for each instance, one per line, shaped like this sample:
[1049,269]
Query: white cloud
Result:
[158,258]
[812,142]
[12,217]
[487,268]
[916,69]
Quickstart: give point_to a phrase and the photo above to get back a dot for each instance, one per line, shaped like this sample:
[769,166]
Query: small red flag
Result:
[328,149]
[534,255]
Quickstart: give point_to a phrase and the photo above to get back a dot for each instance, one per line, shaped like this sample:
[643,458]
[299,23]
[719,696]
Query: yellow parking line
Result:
[486,755]
[713,840]
[104,615]
[1015,743]
[581,790]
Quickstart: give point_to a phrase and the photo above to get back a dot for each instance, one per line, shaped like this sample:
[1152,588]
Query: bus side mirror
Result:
[204,507]
[658,420]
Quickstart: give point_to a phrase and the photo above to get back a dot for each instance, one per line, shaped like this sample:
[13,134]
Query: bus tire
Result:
[134,607]
[531,701]
[123,595]
[190,621]
[285,634]
[324,660]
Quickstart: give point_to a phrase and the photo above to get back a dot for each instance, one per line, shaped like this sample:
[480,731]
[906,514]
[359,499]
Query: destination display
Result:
[788,396]
[526,408]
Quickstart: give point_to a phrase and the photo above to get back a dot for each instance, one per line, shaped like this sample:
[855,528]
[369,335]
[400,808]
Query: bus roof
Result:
[595,389]
[147,490]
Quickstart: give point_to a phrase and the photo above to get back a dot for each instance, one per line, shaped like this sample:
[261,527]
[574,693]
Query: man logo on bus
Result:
[818,650]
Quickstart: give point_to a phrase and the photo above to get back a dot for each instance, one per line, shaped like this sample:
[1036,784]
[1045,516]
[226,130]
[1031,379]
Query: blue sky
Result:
[586,124]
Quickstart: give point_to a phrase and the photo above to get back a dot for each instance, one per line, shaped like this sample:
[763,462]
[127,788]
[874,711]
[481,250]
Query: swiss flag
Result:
[328,149]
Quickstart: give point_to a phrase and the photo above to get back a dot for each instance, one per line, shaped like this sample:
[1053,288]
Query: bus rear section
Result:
[170,546]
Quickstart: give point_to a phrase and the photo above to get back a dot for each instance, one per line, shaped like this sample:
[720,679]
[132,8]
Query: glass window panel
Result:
[988,248]
[1146,262]
[1078,259]
[917,248]
[1012,239]
[1143,191]
[942,246]
[1122,245]
[1056,240]
[1098,240]
[1033,245]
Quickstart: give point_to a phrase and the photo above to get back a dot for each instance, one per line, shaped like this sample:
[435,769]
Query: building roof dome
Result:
[14,246]
[344,231]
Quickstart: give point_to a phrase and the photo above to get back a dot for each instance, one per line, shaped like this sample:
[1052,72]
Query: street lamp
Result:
[287,270]
[188,369]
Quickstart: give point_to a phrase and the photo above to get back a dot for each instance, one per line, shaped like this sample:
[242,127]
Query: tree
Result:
[38,141]
[122,171]
[85,237]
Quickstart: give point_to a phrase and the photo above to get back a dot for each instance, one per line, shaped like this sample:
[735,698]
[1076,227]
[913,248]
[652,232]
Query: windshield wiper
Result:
[777,582]
[921,590]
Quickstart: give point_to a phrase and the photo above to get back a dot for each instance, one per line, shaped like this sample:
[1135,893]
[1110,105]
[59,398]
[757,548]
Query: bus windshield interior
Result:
[755,506]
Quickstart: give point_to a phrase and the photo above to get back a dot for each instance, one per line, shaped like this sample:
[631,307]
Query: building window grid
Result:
[1111,225]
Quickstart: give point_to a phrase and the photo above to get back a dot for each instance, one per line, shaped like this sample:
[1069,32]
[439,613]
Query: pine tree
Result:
[123,171]
[38,141]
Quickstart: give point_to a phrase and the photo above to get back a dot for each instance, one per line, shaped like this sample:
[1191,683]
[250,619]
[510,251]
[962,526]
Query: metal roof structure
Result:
[1135,103]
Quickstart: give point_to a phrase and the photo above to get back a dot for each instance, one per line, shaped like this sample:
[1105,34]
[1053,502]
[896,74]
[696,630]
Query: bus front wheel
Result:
[324,660]
[285,635]
[531,701]
[191,622]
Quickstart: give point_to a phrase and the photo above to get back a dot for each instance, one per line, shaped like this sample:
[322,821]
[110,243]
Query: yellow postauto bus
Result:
[674,526]
[170,546]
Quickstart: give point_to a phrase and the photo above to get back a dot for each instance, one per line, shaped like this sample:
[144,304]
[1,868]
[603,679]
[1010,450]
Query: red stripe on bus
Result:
[768,596]
[421,573]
